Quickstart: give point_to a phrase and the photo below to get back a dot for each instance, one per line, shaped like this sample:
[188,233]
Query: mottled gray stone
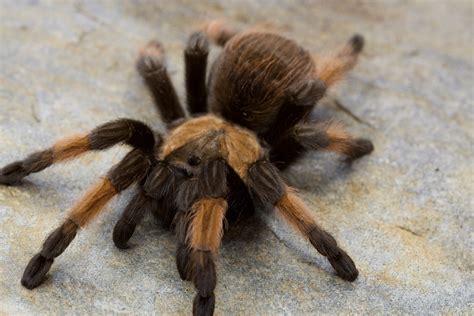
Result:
[404,213]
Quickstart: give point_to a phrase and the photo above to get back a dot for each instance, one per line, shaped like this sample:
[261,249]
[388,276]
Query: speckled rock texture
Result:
[404,213]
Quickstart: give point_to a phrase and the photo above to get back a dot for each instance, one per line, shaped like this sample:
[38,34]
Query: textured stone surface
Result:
[404,213]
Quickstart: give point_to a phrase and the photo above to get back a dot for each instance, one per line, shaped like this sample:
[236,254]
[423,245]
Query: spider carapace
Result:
[247,122]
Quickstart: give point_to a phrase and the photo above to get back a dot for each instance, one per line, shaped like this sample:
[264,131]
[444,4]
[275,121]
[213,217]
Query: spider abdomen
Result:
[250,80]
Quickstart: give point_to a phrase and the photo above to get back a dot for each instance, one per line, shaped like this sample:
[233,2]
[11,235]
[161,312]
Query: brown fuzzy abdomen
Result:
[250,80]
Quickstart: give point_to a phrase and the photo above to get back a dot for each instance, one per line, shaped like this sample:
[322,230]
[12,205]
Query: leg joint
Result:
[131,169]
[131,132]
[265,183]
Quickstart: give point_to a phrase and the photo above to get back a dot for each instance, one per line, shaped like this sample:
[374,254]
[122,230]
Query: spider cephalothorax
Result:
[211,168]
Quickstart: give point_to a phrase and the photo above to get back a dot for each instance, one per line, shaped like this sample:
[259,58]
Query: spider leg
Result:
[219,32]
[296,213]
[327,136]
[127,131]
[154,195]
[332,67]
[183,254]
[300,101]
[131,216]
[195,59]
[268,188]
[151,67]
[200,231]
[296,136]
[132,168]
[161,185]
[204,236]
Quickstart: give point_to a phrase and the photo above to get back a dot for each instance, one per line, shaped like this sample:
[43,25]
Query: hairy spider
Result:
[211,167]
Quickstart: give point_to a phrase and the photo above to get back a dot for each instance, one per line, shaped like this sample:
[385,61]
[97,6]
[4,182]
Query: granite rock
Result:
[404,213]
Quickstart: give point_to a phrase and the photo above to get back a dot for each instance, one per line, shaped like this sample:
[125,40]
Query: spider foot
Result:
[198,44]
[35,271]
[344,266]
[151,58]
[12,173]
[182,263]
[357,43]
[204,306]
[123,231]
[360,148]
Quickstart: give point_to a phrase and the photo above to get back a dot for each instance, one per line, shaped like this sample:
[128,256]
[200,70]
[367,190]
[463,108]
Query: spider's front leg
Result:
[131,216]
[131,169]
[155,194]
[333,66]
[200,230]
[131,132]
[268,188]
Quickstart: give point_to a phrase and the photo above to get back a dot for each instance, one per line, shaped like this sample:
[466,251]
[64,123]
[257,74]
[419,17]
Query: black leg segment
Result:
[132,215]
[151,67]
[195,59]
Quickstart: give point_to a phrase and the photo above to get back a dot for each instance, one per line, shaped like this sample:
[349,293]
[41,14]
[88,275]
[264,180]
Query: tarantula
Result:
[212,167]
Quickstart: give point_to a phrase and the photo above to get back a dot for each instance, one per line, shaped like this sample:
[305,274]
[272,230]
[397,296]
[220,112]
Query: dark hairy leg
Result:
[219,32]
[161,185]
[151,67]
[183,261]
[268,188]
[327,136]
[293,211]
[132,168]
[131,217]
[200,231]
[195,59]
[333,66]
[299,136]
[131,132]
[300,101]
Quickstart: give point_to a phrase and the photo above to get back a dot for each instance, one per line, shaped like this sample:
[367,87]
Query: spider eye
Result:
[194,160]
[245,114]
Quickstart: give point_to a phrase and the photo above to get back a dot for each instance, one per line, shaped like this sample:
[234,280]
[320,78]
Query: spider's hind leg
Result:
[300,101]
[151,66]
[332,67]
[219,32]
[327,136]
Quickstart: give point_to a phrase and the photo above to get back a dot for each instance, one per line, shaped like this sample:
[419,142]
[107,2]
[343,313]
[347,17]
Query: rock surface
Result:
[405,213]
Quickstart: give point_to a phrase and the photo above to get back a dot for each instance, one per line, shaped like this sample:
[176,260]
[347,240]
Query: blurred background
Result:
[404,213]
